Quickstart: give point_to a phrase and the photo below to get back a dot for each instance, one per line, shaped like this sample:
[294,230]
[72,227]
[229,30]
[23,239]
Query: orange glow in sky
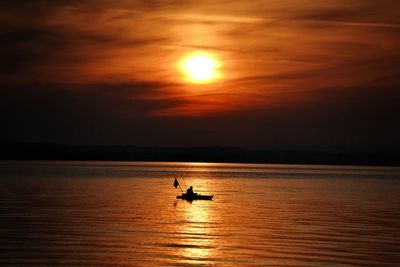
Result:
[278,65]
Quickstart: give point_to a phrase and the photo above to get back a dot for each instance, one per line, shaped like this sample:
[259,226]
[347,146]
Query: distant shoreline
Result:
[338,156]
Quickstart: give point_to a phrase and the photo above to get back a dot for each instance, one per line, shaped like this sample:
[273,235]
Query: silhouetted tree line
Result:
[46,151]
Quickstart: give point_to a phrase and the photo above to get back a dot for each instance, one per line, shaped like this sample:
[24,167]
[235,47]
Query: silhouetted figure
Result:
[190,195]
[190,192]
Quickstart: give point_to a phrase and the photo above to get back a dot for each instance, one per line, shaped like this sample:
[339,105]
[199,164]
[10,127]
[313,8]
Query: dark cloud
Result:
[119,114]
[23,47]
[76,112]
[28,46]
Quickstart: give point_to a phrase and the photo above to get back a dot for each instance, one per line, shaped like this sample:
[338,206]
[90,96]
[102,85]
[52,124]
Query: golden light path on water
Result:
[198,217]
[200,246]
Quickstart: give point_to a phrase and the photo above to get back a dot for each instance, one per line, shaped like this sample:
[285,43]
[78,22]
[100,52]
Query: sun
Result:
[200,67]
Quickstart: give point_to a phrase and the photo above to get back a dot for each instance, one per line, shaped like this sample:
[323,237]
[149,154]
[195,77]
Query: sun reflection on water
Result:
[197,230]
[197,227]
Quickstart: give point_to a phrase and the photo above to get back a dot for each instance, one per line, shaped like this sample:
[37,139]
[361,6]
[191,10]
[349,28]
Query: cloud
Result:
[104,71]
[57,110]
[376,14]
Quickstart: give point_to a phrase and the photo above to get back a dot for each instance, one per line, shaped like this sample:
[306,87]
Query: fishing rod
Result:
[184,182]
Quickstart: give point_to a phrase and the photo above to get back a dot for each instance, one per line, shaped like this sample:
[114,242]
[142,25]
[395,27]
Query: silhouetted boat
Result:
[195,197]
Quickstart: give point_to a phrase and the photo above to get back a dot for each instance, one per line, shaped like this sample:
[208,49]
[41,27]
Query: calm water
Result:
[126,214]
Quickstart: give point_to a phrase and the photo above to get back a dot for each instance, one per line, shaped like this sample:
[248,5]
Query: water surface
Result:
[127,214]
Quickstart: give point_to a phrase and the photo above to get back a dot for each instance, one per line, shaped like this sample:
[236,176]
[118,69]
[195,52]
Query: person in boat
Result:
[190,192]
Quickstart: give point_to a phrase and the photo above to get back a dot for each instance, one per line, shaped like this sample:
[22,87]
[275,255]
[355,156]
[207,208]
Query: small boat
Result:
[195,196]
[190,195]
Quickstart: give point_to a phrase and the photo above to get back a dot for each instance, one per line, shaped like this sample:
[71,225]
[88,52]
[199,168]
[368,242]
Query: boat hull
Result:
[194,197]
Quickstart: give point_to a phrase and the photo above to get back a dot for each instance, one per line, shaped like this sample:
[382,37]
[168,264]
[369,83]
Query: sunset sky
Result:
[281,73]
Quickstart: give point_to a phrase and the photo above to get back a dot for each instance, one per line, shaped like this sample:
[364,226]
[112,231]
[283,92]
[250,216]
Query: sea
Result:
[83,213]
